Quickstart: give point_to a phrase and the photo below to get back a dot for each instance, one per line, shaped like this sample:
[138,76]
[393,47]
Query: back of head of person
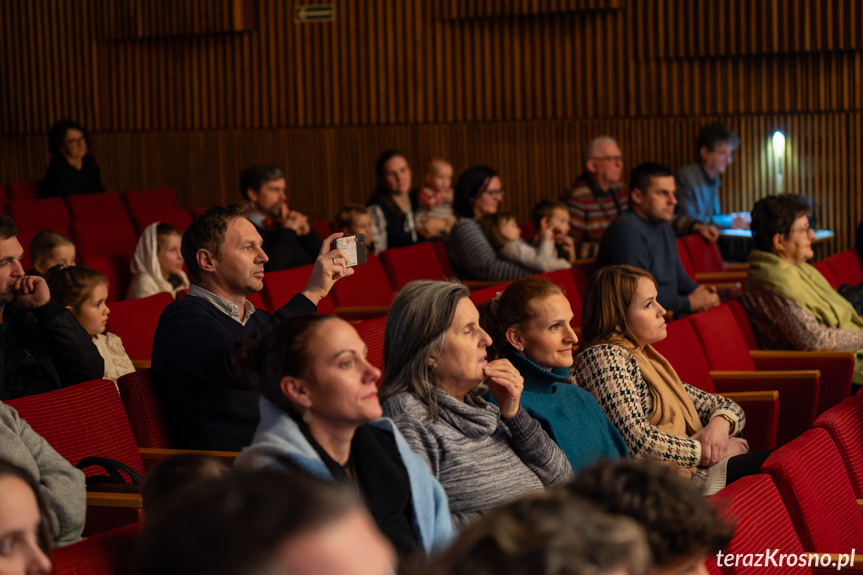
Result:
[173,476]
[553,532]
[25,524]
[682,528]
[262,522]
[48,249]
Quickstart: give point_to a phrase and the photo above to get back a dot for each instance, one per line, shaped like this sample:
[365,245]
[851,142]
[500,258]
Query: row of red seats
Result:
[806,500]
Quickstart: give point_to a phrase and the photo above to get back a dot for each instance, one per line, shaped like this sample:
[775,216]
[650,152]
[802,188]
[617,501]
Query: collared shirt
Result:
[225,306]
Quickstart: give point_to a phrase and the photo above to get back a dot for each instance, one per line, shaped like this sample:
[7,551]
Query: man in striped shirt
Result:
[597,197]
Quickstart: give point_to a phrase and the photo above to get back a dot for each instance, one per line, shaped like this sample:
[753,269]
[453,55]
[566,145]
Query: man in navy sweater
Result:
[643,237]
[207,404]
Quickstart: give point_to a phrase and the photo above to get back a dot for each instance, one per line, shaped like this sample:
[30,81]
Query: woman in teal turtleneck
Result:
[530,325]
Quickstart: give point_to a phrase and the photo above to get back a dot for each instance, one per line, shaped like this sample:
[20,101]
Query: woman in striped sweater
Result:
[478,192]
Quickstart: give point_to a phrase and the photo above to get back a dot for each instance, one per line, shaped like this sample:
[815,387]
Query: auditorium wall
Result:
[185,94]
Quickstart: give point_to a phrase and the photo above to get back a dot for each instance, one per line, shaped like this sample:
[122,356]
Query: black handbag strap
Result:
[113,468]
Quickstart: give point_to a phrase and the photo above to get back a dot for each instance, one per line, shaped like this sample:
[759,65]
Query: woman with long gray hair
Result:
[435,374]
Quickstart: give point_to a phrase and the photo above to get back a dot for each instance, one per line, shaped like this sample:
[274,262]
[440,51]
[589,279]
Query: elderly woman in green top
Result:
[790,304]
[530,325]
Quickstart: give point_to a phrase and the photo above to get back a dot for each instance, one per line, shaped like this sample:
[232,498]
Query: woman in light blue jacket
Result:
[320,413]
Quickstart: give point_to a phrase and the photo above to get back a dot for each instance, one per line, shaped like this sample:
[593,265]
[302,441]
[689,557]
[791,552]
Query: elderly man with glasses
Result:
[598,197]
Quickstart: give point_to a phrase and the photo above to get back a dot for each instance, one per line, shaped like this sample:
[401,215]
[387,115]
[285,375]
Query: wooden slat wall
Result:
[520,93]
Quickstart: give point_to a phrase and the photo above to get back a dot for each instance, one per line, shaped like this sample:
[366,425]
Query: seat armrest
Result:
[720,277]
[151,455]
[739,396]
[837,369]
[736,267]
[108,499]
[141,363]
[798,393]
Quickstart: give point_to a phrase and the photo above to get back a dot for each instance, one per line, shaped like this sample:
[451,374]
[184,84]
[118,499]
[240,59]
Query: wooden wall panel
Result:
[518,84]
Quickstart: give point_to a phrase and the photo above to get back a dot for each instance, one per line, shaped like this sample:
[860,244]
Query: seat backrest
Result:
[824,267]
[844,423]
[106,238]
[682,351]
[761,522]
[846,267]
[83,420]
[4,197]
[481,296]
[368,286]
[143,201]
[705,256]
[815,487]
[177,217]
[743,322]
[135,321]
[417,262]
[108,553]
[145,412]
[23,190]
[96,207]
[685,258]
[565,280]
[372,333]
[443,257]
[116,271]
[255,299]
[722,340]
[323,228]
[38,215]
[280,287]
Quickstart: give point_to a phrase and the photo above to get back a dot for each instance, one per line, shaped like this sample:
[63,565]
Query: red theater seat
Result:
[108,553]
[417,262]
[135,322]
[145,412]
[107,238]
[814,485]
[280,287]
[177,217]
[37,215]
[372,333]
[844,423]
[145,201]
[23,190]
[97,207]
[762,524]
[116,271]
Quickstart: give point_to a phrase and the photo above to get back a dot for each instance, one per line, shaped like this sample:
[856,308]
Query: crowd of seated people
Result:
[495,440]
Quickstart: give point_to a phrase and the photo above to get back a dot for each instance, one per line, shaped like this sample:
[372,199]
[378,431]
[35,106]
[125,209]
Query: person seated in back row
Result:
[48,249]
[206,404]
[157,265]
[72,169]
[436,197]
[355,219]
[44,346]
[288,239]
[504,235]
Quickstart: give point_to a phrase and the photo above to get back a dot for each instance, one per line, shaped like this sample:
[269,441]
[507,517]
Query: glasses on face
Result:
[495,193]
[609,158]
[71,141]
[806,230]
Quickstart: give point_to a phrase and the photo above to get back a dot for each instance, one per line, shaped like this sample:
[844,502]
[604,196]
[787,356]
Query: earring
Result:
[307,415]
[521,348]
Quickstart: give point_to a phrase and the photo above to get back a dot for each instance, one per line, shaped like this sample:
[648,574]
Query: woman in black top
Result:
[72,170]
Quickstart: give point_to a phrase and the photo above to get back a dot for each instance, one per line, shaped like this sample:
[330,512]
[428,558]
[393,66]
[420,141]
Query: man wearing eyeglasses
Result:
[698,210]
[598,197]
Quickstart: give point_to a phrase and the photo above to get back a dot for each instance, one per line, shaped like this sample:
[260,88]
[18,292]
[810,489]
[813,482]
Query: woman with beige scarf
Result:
[659,416]
[790,304]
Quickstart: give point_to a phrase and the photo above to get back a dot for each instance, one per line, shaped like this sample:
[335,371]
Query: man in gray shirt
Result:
[698,210]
